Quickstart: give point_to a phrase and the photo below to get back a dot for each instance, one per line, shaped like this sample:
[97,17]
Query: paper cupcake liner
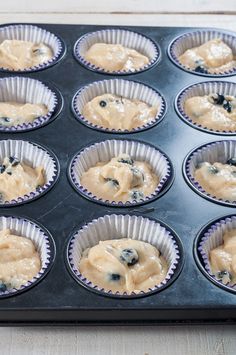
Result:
[124,88]
[43,243]
[200,89]
[36,35]
[210,237]
[105,151]
[33,155]
[132,227]
[194,39]
[219,151]
[27,90]
[127,38]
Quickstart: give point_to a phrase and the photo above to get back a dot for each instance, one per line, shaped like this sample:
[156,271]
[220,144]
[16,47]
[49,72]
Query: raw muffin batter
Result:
[20,55]
[123,265]
[115,112]
[213,111]
[14,113]
[120,179]
[18,179]
[115,57]
[211,57]
[19,260]
[223,259]
[218,179]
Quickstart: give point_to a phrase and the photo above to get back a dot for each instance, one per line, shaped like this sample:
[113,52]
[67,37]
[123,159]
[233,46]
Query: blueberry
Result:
[136,195]
[14,161]
[39,51]
[102,103]
[201,69]
[5,119]
[3,287]
[129,256]
[218,99]
[138,177]
[113,181]
[126,161]
[114,277]
[222,274]
[213,169]
[231,161]
[9,172]
[227,106]
[2,168]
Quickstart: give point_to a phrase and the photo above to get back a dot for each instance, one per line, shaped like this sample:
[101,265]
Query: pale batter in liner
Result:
[214,111]
[20,55]
[19,260]
[14,113]
[115,57]
[120,179]
[115,112]
[218,179]
[212,57]
[18,179]
[123,265]
[223,259]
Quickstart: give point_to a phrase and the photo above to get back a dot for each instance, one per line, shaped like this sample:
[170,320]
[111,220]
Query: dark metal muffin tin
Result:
[58,298]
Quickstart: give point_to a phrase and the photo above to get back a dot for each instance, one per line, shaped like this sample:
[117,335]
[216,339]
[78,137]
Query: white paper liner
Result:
[219,151]
[212,239]
[105,151]
[130,39]
[36,35]
[27,90]
[200,89]
[41,239]
[194,39]
[125,226]
[124,88]
[34,156]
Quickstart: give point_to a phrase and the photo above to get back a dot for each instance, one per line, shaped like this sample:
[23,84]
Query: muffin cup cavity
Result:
[123,88]
[43,242]
[130,39]
[201,89]
[126,226]
[33,155]
[33,34]
[194,39]
[27,90]
[219,151]
[210,237]
[105,151]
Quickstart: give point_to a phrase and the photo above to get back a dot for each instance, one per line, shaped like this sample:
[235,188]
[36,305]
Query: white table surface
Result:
[163,340]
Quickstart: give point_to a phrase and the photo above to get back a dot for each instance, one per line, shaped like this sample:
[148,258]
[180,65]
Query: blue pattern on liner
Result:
[47,263]
[193,183]
[164,182]
[88,65]
[179,101]
[43,189]
[211,34]
[57,56]
[78,115]
[209,234]
[86,282]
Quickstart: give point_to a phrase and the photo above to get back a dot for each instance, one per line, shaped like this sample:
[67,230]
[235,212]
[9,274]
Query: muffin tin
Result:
[192,297]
